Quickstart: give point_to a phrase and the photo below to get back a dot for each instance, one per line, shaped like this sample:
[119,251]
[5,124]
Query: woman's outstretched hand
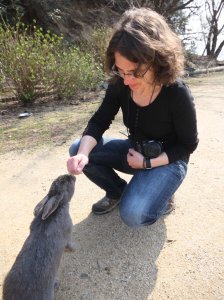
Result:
[75,164]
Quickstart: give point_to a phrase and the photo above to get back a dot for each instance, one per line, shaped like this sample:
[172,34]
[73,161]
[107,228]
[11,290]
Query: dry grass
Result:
[205,79]
[49,126]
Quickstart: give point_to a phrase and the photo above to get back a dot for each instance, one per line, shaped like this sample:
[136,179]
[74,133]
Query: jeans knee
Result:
[133,218]
[130,218]
[74,147]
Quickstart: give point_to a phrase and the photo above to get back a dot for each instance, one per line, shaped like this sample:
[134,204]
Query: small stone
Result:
[108,271]
[84,276]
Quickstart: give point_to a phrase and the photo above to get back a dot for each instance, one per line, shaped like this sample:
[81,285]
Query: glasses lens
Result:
[132,75]
[116,73]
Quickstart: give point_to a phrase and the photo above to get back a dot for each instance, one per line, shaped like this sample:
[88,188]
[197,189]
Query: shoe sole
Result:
[105,211]
[113,207]
[168,211]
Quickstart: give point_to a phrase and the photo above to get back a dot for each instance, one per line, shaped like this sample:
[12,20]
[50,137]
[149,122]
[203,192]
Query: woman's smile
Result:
[133,86]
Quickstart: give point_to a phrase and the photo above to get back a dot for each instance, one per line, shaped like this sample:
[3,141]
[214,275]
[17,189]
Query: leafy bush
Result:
[2,79]
[97,44]
[36,62]
[27,59]
[76,71]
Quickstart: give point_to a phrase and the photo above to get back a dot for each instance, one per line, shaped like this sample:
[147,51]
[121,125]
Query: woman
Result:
[146,58]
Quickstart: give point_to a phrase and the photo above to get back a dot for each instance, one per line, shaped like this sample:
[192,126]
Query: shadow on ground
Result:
[112,261]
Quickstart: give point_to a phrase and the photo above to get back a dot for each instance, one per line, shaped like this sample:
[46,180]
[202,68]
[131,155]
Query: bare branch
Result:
[219,49]
[212,15]
[180,7]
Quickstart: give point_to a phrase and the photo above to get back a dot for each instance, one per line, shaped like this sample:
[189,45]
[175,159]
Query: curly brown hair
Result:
[144,37]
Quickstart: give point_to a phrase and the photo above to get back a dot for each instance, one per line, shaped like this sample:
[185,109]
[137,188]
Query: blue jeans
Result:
[145,197]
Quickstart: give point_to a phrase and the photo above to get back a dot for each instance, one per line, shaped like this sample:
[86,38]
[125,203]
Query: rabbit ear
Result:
[39,207]
[51,205]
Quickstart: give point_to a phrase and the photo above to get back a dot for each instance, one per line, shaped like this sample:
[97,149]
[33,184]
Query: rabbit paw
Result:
[56,284]
[70,247]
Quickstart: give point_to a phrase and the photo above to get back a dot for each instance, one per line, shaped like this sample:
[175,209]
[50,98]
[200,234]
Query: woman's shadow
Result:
[112,261]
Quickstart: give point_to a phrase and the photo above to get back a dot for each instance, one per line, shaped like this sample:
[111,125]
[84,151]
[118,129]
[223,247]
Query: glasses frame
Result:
[132,75]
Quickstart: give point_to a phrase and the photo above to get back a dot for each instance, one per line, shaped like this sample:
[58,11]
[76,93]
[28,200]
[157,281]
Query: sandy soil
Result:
[179,257]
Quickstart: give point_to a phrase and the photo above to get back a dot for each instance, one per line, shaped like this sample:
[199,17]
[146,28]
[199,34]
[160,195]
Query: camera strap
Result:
[137,112]
[136,116]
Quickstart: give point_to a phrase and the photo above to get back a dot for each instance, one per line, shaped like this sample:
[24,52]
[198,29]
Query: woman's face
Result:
[126,69]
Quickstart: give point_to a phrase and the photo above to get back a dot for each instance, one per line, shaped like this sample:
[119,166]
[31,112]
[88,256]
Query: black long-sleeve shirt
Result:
[170,118]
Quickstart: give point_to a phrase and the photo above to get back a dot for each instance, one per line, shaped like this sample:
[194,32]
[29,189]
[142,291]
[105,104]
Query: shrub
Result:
[76,70]
[36,62]
[2,79]
[97,44]
[27,59]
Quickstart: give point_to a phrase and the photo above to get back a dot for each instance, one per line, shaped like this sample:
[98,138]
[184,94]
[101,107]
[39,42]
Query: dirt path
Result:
[179,257]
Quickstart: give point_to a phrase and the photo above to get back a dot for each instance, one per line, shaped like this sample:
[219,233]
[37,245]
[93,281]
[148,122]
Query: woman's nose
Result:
[127,79]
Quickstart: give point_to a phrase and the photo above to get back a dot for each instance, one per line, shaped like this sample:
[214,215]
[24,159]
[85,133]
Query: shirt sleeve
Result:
[184,124]
[105,114]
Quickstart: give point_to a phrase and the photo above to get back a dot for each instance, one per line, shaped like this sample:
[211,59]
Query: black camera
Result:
[150,149]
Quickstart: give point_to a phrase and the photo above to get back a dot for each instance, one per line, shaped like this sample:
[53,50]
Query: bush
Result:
[97,44]
[36,62]
[27,59]
[76,70]
[2,79]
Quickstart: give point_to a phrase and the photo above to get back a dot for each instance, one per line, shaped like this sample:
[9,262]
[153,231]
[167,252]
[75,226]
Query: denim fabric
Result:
[144,198]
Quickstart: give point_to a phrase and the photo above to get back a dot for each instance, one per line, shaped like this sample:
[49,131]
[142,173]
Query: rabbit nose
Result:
[72,177]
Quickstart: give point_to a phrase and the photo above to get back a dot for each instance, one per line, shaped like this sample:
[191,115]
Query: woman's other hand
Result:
[135,159]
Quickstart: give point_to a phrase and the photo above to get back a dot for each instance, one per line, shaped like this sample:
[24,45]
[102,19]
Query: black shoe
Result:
[104,205]
[170,206]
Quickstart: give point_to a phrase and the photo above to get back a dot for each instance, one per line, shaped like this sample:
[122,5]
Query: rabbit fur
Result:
[33,274]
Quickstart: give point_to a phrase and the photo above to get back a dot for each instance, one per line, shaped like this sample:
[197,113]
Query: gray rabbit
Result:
[33,274]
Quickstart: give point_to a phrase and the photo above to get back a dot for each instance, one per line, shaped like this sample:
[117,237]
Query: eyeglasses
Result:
[131,75]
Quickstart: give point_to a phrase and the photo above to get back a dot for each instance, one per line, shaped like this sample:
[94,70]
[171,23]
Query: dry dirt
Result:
[179,257]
